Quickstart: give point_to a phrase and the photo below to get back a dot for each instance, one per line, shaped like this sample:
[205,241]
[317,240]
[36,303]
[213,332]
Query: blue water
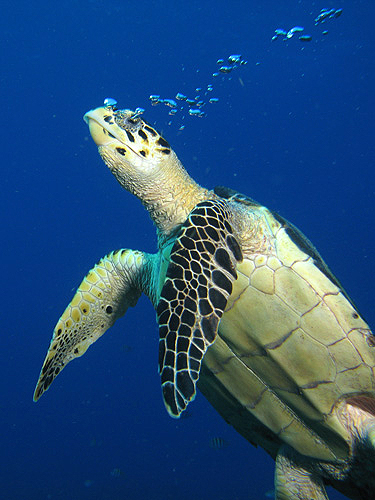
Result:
[294,129]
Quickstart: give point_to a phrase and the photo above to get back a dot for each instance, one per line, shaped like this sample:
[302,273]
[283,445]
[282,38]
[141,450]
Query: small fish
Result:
[235,58]
[95,442]
[196,112]
[337,13]
[194,104]
[324,14]
[270,493]
[116,472]
[217,443]
[305,38]
[280,32]
[225,69]
[328,14]
[154,97]
[296,29]
[127,348]
[170,103]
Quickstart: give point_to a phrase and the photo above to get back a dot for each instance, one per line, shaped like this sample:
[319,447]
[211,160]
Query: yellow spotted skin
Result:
[104,295]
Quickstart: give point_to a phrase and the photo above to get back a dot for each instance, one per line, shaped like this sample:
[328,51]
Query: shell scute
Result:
[239,286]
[273,263]
[267,318]
[263,279]
[344,355]
[322,325]
[290,288]
[286,250]
[260,260]
[360,377]
[319,281]
[362,340]
[300,405]
[301,352]
[323,394]
[344,312]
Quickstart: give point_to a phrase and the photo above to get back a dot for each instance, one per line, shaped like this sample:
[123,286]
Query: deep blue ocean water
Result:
[294,129]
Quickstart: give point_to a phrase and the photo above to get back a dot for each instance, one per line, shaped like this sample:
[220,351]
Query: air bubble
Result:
[109,102]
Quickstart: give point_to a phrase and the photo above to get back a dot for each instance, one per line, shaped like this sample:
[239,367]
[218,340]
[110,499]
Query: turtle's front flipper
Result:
[193,299]
[113,285]
[294,480]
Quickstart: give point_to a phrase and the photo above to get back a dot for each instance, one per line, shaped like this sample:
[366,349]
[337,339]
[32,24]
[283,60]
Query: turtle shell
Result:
[291,346]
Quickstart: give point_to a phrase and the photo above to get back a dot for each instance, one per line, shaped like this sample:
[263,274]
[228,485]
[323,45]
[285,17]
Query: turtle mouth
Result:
[108,129]
[100,132]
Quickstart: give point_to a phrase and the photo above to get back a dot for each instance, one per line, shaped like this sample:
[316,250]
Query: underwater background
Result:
[293,128]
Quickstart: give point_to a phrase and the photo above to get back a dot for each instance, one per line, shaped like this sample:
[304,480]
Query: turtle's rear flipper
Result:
[104,295]
[294,480]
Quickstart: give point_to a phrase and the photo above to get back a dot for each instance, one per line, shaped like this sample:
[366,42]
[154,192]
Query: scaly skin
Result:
[104,295]
[156,176]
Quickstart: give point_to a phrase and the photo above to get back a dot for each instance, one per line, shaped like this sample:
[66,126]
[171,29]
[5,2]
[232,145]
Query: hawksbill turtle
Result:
[248,312]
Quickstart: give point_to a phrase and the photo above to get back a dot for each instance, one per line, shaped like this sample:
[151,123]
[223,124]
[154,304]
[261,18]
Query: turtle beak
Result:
[98,130]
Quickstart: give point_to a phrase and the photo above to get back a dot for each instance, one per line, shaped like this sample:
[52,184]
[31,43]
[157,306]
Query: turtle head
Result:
[144,164]
[133,150]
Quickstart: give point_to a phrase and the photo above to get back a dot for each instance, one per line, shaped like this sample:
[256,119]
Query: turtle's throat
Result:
[168,193]
[170,200]
[171,196]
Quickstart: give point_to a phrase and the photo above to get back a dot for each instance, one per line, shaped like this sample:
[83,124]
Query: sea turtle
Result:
[248,312]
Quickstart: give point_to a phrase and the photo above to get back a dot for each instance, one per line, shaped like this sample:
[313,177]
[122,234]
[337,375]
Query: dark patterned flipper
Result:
[194,296]
[104,295]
